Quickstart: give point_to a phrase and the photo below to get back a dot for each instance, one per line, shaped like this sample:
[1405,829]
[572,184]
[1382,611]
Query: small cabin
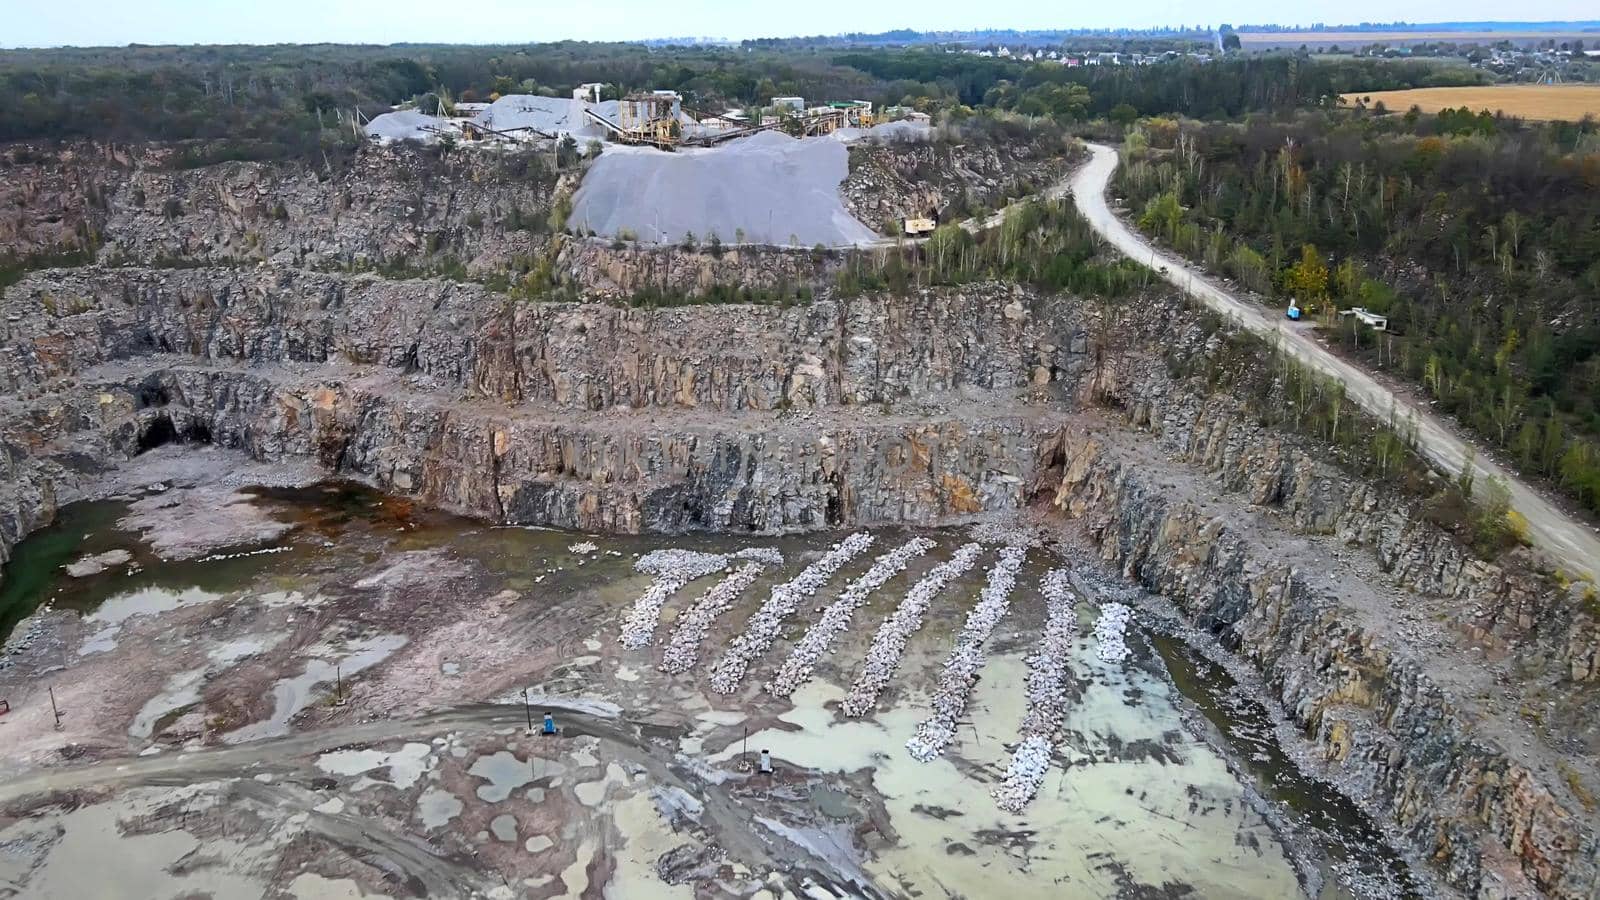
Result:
[915,226]
[1370,319]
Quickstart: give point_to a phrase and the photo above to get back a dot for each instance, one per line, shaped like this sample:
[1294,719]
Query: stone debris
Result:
[796,670]
[966,660]
[683,649]
[640,626]
[659,197]
[673,569]
[771,556]
[685,564]
[1047,695]
[883,658]
[94,565]
[762,630]
[583,548]
[1110,632]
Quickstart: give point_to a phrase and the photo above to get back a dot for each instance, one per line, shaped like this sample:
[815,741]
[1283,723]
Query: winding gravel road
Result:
[1569,541]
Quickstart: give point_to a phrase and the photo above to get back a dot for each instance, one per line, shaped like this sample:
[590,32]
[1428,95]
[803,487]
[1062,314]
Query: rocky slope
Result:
[378,207]
[890,181]
[916,409]
[1453,696]
[1347,601]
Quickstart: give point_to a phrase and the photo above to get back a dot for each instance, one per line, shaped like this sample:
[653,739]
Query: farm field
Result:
[1529,101]
[1263,40]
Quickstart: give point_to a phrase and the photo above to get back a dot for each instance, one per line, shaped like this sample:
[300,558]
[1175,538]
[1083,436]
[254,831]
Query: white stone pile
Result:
[966,660]
[1047,695]
[771,556]
[883,658]
[583,548]
[688,564]
[1110,632]
[762,630]
[683,648]
[796,670]
[673,569]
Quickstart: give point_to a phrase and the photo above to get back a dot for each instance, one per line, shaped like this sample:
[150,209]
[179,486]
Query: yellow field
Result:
[1353,39]
[1528,101]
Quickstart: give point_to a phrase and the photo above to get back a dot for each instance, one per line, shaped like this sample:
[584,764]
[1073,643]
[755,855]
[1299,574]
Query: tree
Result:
[1230,42]
[1123,114]
[1307,279]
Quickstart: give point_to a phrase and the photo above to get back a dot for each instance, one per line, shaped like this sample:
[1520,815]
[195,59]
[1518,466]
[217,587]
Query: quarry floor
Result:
[323,696]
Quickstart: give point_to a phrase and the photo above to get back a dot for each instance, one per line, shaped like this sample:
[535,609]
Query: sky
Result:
[50,23]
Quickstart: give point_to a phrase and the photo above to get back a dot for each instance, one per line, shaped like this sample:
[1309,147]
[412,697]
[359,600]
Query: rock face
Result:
[914,409]
[379,207]
[1412,665]
[891,181]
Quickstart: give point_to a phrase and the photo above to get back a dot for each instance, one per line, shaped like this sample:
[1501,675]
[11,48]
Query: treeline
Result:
[290,95]
[1224,88]
[1044,243]
[1478,237]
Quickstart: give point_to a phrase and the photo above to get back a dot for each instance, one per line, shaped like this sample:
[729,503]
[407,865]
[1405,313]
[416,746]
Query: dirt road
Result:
[1570,542]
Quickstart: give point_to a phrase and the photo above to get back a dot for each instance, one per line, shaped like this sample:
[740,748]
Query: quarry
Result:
[310,513]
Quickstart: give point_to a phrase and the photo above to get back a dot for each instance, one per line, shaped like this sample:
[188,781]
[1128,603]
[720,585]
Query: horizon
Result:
[189,23]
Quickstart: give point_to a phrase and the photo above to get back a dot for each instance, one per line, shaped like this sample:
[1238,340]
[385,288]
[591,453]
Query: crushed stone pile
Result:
[835,619]
[683,650]
[559,116]
[1047,696]
[961,668]
[768,188]
[764,625]
[890,641]
[408,125]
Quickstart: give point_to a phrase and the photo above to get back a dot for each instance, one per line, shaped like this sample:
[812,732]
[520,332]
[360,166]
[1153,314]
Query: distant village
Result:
[1072,59]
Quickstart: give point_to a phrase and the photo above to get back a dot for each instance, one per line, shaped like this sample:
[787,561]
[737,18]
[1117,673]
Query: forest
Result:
[1478,237]
[281,101]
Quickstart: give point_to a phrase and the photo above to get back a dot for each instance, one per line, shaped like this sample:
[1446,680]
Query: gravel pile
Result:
[683,649]
[1110,632]
[687,564]
[559,116]
[1047,695]
[765,189]
[966,660]
[409,125]
[883,658]
[763,627]
[796,670]
[771,556]
[673,569]
[583,548]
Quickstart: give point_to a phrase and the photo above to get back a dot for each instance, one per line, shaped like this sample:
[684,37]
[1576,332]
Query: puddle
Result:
[293,695]
[405,765]
[437,807]
[504,772]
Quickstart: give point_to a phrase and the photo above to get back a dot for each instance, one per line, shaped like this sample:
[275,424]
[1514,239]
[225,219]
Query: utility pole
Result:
[53,708]
[338,685]
[527,708]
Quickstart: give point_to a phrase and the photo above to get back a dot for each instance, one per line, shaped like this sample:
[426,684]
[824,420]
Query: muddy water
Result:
[1137,802]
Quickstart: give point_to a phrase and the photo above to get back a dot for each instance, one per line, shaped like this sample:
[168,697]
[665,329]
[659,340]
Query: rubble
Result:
[966,660]
[836,618]
[1046,690]
[1110,632]
[683,649]
[729,671]
[889,643]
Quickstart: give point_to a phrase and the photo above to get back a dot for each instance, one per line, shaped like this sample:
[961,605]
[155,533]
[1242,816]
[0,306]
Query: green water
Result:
[34,574]
[1343,832]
